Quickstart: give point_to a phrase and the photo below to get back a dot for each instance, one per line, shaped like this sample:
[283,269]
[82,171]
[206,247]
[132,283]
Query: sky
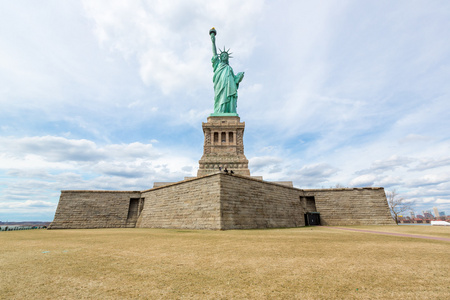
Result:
[111,95]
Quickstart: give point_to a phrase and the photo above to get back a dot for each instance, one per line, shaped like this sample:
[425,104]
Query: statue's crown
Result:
[225,51]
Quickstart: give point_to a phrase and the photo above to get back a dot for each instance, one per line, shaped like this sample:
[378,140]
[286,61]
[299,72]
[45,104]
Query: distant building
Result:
[442,214]
[436,212]
[428,215]
[413,216]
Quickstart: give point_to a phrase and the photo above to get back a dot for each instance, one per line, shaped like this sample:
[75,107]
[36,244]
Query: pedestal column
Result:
[223,146]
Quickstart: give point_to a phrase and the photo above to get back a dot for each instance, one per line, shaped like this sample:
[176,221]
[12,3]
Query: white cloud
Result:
[430,179]
[39,165]
[312,175]
[60,149]
[390,164]
[388,181]
[413,138]
[443,201]
[170,39]
[27,204]
[363,180]
[260,163]
[431,163]
[428,199]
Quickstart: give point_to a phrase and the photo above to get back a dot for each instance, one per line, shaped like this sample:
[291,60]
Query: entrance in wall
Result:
[312,219]
[134,210]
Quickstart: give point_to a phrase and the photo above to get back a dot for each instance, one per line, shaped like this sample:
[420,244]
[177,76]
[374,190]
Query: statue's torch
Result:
[212,32]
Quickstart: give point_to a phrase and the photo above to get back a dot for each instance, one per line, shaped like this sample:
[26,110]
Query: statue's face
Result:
[224,56]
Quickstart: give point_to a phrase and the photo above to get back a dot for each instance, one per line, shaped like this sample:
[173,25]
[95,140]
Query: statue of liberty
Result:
[226,83]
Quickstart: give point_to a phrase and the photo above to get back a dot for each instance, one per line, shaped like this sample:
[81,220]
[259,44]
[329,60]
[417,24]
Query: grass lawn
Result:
[300,263]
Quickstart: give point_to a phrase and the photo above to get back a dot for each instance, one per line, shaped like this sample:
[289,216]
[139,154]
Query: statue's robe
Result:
[226,85]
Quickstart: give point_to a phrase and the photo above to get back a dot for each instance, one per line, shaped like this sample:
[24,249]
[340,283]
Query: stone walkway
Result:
[395,234]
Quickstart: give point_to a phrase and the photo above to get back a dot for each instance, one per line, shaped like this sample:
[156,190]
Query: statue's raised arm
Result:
[226,83]
[213,33]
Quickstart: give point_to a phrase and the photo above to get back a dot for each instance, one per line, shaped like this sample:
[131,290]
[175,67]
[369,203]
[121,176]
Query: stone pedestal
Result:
[223,146]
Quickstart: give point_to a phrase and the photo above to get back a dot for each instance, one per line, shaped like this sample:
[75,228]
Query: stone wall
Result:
[250,203]
[192,204]
[220,201]
[352,206]
[93,209]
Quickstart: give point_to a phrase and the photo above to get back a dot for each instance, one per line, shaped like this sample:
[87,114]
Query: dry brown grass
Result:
[436,231]
[301,263]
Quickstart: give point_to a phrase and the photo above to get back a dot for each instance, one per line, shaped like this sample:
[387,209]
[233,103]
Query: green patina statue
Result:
[226,83]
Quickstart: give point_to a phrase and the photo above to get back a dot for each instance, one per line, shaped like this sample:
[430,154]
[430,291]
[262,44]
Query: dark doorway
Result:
[133,209]
[312,219]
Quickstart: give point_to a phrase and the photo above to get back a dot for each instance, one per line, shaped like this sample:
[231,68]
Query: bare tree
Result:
[397,204]
[337,186]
